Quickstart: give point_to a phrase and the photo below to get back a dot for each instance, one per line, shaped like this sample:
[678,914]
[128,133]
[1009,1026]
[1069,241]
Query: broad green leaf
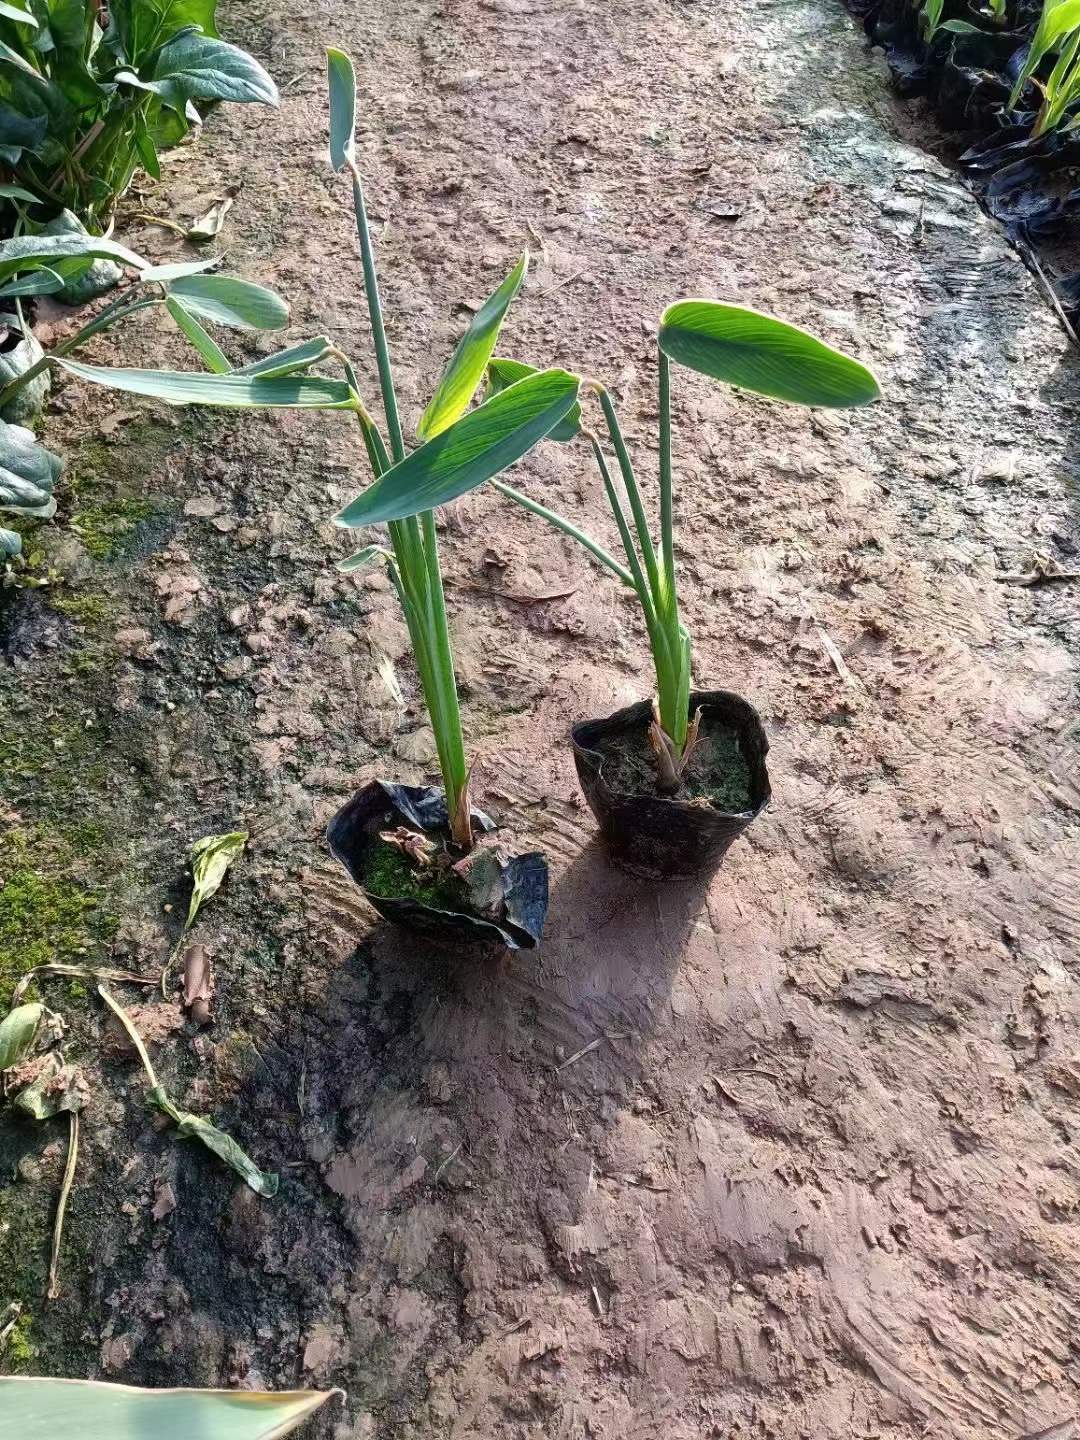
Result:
[181,387]
[288,362]
[198,67]
[1056,23]
[210,859]
[363,559]
[341,82]
[195,1127]
[17,1032]
[56,1089]
[476,448]
[39,1408]
[756,352]
[34,282]
[20,17]
[502,373]
[16,192]
[213,356]
[468,362]
[28,473]
[30,252]
[164,274]
[10,544]
[225,300]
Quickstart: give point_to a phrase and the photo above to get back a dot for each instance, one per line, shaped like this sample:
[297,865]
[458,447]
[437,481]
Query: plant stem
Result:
[596,550]
[378,329]
[633,494]
[666,520]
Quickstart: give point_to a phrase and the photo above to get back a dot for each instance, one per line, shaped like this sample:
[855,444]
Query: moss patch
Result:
[103,528]
[391,875]
[19,1352]
[45,915]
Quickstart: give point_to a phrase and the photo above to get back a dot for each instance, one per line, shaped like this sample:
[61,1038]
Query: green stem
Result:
[378,329]
[596,550]
[633,494]
[666,518]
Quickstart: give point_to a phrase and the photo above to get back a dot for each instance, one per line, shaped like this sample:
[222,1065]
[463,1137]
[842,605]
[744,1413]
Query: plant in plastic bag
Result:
[84,101]
[459,450]
[28,475]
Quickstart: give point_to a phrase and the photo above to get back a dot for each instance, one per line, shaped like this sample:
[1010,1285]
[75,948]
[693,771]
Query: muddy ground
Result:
[820,1175]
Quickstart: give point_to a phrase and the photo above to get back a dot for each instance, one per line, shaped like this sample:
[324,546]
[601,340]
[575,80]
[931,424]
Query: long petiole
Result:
[378,329]
[594,548]
[633,494]
[667,539]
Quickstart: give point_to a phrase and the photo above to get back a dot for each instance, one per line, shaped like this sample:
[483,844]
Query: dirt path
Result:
[820,1176]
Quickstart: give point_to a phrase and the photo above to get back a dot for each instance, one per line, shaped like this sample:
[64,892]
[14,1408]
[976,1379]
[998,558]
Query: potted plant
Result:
[673,780]
[420,854]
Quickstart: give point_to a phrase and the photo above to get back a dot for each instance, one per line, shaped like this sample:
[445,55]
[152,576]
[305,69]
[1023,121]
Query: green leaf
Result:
[34,282]
[213,356]
[477,447]
[10,544]
[17,1033]
[210,859]
[55,1089]
[225,300]
[468,362]
[341,82]
[164,274]
[195,1127]
[961,27]
[28,473]
[38,1408]
[16,192]
[288,362]
[182,387]
[20,17]
[756,352]
[363,559]
[31,252]
[198,67]
[502,373]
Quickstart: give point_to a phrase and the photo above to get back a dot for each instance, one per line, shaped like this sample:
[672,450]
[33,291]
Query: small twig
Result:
[9,1320]
[452,1156]
[61,1208]
[833,652]
[79,972]
[559,286]
[588,1049]
[749,1070]
[1051,293]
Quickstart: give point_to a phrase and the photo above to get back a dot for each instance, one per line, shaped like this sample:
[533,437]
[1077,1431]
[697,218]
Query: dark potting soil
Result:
[391,875]
[717,772]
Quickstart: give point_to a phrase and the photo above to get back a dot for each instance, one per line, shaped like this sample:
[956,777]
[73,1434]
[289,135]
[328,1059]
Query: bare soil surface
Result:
[791,1155]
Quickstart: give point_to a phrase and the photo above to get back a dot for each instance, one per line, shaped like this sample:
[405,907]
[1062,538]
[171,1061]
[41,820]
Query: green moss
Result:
[45,916]
[102,528]
[390,874]
[20,1352]
[86,606]
[717,772]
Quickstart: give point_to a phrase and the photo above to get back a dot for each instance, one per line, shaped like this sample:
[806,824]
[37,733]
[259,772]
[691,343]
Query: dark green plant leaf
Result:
[225,300]
[42,1408]
[31,252]
[290,361]
[34,282]
[341,82]
[466,368]
[56,1089]
[198,67]
[28,473]
[17,192]
[19,132]
[181,387]
[213,356]
[194,1127]
[502,373]
[756,352]
[477,447]
[18,1030]
[10,544]
[210,859]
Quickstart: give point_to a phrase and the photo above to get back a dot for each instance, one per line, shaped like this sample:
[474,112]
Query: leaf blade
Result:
[757,352]
[477,447]
[211,857]
[213,356]
[466,366]
[179,387]
[18,1030]
[96,1410]
[341,83]
[226,300]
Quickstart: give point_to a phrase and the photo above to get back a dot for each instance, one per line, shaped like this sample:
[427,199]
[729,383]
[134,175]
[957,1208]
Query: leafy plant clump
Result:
[88,93]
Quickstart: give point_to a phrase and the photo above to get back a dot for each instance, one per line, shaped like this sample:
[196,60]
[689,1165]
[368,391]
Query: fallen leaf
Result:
[210,859]
[57,1088]
[17,1033]
[198,984]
